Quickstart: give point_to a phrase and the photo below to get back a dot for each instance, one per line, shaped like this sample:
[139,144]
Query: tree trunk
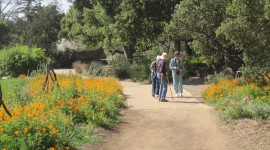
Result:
[128,52]
[177,45]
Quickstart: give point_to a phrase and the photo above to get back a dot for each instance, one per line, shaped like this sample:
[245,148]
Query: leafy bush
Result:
[4,33]
[136,71]
[236,100]
[261,76]
[195,66]
[20,59]
[64,59]
[140,71]
[62,118]
[121,67]
[122,71]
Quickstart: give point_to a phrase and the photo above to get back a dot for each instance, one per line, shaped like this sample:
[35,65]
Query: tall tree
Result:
[198,20]
[4,31]
[43,28]
[248,28]
[8,8]
[141,22]
[134,25]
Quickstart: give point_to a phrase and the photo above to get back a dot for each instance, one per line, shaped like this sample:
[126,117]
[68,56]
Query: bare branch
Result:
[6,5]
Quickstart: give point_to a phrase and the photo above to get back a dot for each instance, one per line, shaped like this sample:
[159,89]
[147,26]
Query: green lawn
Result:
[7,85]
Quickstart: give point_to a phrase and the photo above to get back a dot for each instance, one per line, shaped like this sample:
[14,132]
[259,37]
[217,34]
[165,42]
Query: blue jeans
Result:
[155,85]
[163,87]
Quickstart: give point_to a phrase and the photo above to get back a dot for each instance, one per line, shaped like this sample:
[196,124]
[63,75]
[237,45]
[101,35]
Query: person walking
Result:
[177,67]
[162,76]
[154,79]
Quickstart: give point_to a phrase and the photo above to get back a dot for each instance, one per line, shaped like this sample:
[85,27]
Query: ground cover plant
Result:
[236,99]
[8,85]
[62,118]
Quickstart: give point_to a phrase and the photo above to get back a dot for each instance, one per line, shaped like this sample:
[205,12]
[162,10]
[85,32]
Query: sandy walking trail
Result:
[180,124]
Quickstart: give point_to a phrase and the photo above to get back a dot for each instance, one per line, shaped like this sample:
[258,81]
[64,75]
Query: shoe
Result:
[181,95]
[176,95]
[153,95]
[163,100]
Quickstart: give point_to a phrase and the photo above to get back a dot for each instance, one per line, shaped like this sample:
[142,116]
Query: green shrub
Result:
[20,59]
[258,75]
[237,100]
[64,59]
[195,66]
[137,72]
[121,67]
[140,71]
[123,71]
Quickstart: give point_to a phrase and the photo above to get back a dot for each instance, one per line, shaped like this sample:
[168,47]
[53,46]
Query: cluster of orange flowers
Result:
[107,85]
[221,89]
[44,106]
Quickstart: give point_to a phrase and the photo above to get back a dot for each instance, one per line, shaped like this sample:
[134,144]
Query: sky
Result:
[64,5]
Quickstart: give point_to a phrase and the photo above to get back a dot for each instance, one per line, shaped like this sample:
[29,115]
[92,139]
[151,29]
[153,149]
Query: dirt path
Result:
[180,124]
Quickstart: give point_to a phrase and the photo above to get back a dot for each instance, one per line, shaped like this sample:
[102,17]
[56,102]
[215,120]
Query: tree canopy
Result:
[133,25]
[225,33]
[3,33]
[248,28]
[198,21]
[11,8]
[43,28]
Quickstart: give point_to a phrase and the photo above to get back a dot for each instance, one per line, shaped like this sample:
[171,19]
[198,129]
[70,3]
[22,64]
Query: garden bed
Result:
[62,118]
[238,100]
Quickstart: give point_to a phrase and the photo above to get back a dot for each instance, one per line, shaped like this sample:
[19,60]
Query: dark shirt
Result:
[153,67]
[162,67]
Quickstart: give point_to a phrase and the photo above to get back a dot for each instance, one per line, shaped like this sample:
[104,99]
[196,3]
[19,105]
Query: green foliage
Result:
[198,20]
[64,118]
[10,8]
[237,100]
[64,59]
[37,25]
[195,66]
[122,71]
[43,27]
[134,25]
[4,30]
[247,27]
[140,71]
[8,85]
[19,59]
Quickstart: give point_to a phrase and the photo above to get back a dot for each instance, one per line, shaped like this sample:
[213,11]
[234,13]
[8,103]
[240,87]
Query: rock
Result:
[4,78]
[247,99]
[228,72]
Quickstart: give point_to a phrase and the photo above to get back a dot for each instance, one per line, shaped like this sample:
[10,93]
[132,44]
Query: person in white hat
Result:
[162,76]
[177,67]
[154,79]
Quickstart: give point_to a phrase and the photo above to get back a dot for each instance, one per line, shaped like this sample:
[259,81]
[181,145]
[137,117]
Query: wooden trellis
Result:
[49,73]
[2,102]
